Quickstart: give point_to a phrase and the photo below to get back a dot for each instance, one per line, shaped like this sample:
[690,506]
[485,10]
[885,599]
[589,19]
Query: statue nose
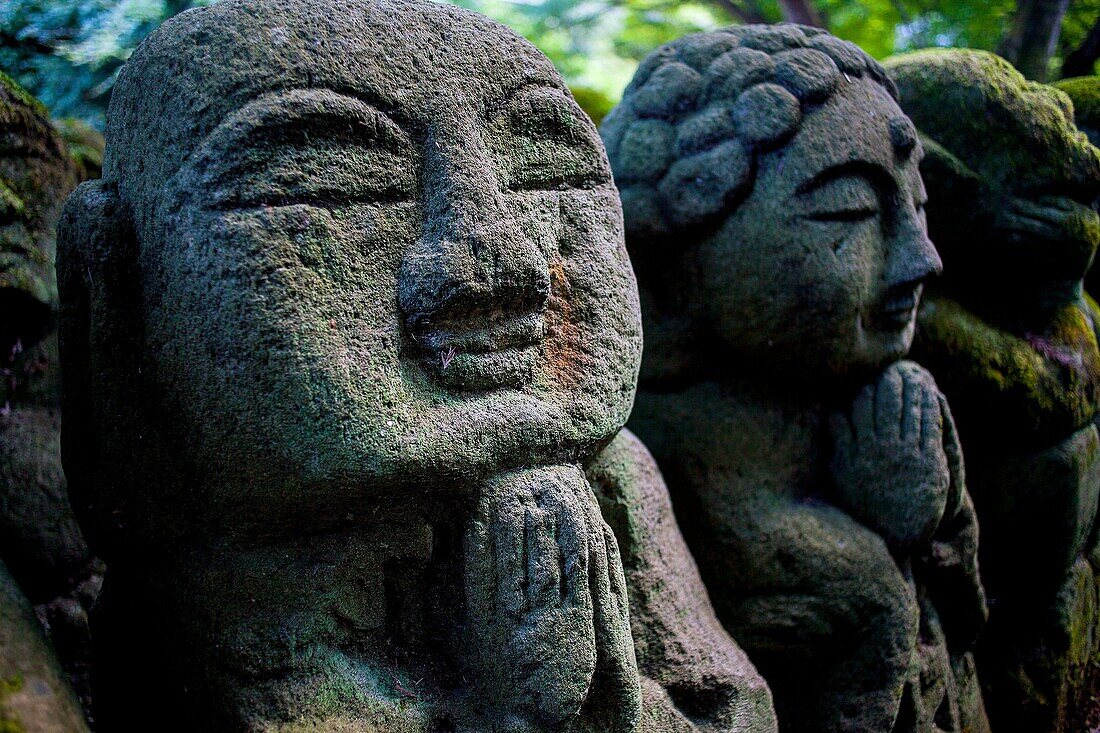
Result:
[473,259]
[912,257]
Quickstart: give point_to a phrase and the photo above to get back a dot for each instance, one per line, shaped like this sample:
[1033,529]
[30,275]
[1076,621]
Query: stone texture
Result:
[1013,342]
[816,475]
[40,542]
[343,320]
[1084,93]
[694,676]
[35,697]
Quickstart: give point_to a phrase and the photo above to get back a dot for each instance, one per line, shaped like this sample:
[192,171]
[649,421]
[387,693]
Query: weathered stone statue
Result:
[1013,342]
[345,323]
[1084,92]
[773,211]
[43,557]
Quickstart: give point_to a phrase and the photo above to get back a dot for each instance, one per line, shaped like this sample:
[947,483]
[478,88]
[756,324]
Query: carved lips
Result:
[899,308]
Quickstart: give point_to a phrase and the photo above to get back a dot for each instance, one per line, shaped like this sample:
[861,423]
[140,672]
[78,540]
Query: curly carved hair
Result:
[682,141]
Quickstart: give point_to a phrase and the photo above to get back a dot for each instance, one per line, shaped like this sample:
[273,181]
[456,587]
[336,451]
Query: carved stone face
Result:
[820,268]
[405,262]
[1015,221]
[35,175]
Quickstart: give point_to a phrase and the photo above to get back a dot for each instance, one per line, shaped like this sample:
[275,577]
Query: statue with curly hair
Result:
[350,334]
[774,215]
[1012,339]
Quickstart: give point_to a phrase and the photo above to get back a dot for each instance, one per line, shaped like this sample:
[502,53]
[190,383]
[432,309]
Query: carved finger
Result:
[479,562]
[840,428]
[863,416]
[912,391]
[616,576]
[572,540]
[931,423]
[888,404]
[543,559]
[508,531]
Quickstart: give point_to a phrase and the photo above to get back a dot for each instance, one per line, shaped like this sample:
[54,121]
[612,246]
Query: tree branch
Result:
[740,12]
[1033,35]
[1082,59]
[800,11]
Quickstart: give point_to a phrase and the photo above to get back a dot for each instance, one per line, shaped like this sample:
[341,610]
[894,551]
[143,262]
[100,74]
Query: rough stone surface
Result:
[817,477]
[35,697]
[343,320]
[1012,340]
[40,542]
[693,674]
[1084,92]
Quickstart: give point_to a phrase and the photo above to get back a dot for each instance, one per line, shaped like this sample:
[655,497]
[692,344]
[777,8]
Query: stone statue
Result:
[1084,92]
[349,330]
[773,211]
[1013,342]
[43,557]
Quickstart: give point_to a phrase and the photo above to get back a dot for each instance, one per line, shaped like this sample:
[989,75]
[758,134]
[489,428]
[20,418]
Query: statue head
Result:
[1012,180]
[339,250]
[771,193]
[35,176]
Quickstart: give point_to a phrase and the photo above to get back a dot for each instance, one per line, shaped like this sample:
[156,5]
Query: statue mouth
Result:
[482,350]
[494,333]
[899,309]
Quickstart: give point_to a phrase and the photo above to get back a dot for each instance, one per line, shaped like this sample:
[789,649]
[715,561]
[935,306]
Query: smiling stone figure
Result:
[43,556]
[1012,339]
[773,210]
[348,319]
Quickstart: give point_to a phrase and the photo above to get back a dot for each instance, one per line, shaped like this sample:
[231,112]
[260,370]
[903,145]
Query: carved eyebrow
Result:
[873,172]
[285,108]
[496,109]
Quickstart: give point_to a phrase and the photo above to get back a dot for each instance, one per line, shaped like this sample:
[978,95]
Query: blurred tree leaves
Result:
[67,52]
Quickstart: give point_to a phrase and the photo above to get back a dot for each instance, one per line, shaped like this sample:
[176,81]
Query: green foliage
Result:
[67,52]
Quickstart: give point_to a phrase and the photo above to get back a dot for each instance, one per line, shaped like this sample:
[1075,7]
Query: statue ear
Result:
[99,333]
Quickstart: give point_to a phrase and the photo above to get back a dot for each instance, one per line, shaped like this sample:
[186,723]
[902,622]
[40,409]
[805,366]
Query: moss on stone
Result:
[1043,385]
[21,95]
[85,146]
[1084,92]
[8,722]
[1011,131]
[35,177]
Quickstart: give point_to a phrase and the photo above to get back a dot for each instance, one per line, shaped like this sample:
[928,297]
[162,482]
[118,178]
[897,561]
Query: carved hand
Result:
[889,467]
[545,596]
[1046,219]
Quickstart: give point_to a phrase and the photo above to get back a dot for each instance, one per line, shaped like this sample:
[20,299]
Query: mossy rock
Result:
[1084,92]
[1012,132]
[85,146]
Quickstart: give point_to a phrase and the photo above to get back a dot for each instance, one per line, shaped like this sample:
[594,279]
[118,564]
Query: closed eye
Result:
[843,194]
[844,215]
